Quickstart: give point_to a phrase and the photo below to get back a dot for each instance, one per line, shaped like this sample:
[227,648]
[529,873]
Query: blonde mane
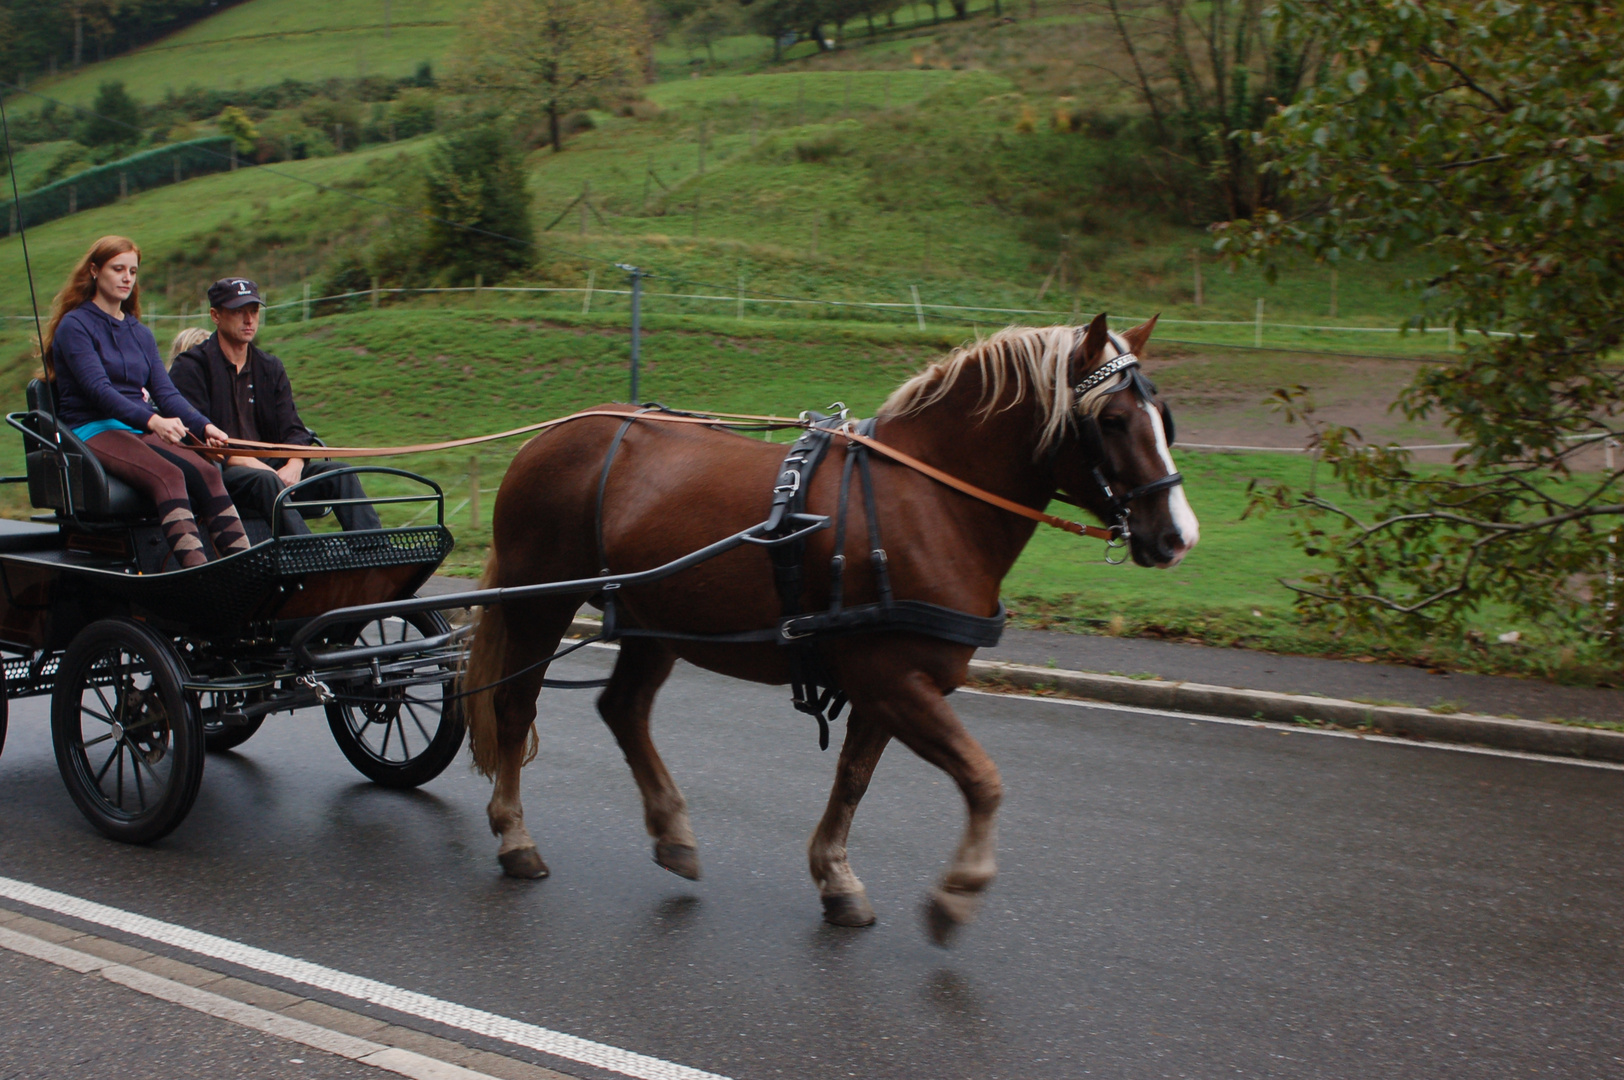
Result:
[1017,364]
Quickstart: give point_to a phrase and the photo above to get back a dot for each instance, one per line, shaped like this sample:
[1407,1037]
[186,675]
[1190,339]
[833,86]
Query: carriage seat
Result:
[97,495]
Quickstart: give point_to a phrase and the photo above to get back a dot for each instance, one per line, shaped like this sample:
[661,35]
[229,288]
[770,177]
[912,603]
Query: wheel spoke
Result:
[118,746]
[97,739]
[418,721]
[136,761]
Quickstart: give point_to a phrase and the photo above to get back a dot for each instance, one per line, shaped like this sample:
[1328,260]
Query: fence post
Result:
[473,492]
[307,301]
[919,309]
[1195,263]
[591,280]
[1257,336]
[479,288]
[703,121]
[1451,337]
[374,294]
[1333,292]
[586,193]
[233,155]
[1608,446]
[637,323]
[741,297]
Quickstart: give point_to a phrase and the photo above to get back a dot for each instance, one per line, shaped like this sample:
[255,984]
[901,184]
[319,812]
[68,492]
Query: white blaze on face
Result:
[1189,529]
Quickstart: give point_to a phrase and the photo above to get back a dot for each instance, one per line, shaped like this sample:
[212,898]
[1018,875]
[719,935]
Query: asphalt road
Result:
[1177,898]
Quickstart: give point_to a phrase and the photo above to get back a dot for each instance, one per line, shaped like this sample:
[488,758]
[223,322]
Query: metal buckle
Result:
[785,631]
[792,487]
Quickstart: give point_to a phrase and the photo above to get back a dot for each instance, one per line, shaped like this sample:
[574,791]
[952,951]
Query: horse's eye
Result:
[1114,423]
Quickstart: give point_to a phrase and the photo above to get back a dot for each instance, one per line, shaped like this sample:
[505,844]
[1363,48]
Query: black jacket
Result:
[205,377]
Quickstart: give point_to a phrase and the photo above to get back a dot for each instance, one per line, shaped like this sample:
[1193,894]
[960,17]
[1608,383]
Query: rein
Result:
[1115,535]
[1096,532]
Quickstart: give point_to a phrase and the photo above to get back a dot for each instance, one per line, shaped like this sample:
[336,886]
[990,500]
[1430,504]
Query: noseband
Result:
[1093,439]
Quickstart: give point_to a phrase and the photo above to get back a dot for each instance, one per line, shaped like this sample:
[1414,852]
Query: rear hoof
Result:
[523,862]
[681,859]
[848,909]
[948,912]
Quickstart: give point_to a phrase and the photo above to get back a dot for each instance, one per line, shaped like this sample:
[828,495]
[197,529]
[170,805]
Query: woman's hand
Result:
[214,436]
[167,428]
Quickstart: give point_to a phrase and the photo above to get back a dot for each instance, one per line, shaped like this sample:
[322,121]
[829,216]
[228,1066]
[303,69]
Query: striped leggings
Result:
[177,480]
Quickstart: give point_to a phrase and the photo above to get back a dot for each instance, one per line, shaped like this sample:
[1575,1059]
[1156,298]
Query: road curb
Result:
[1501,733]
[1530,736]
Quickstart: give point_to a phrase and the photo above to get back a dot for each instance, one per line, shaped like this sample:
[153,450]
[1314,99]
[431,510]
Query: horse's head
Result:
[1117,461]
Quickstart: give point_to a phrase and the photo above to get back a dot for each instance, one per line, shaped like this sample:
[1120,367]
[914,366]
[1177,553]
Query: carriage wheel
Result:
[404,737]
[218,735]
[5,707]
[128,743]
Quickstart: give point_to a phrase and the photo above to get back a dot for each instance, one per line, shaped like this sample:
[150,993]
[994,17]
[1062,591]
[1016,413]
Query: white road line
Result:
[599,1055]
[390,1058]
[1302,729]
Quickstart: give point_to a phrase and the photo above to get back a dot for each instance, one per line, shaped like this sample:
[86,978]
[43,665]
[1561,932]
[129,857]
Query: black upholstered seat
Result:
[97,495]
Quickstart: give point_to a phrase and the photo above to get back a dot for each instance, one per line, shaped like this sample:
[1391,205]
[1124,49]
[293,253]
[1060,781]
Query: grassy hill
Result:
[924,158]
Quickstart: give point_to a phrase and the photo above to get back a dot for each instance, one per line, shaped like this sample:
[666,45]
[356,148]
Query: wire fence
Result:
[744,303]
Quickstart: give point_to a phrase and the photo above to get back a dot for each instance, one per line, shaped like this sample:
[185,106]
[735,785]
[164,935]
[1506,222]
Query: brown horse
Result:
[1002,414]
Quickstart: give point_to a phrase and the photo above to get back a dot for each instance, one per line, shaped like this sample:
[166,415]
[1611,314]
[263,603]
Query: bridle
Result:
[1126,365]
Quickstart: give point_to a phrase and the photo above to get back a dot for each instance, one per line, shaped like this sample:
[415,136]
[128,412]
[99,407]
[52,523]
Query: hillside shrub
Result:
[476,200]
[415,112]
[114,118]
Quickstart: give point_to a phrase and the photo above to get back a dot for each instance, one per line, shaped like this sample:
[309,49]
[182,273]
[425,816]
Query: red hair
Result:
[81,287]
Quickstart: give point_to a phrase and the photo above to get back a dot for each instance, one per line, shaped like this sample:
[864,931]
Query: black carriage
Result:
[148,666]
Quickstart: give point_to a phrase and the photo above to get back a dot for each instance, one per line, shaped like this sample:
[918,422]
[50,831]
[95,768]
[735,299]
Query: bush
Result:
[476,201]
[414,113]
[234,123]
[114,119]
[349,274]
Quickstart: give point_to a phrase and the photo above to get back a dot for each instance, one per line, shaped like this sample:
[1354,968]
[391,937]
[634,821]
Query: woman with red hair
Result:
[113,392]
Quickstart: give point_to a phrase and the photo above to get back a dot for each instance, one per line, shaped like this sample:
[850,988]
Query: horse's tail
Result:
[482,667]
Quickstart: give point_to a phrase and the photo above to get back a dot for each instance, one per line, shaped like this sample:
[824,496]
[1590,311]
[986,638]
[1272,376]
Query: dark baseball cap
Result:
[233,292]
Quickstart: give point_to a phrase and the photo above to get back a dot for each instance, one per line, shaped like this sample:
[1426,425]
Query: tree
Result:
[114,118]
[708,21]
[1210,72]
[234,122]
[1484,136]
[477,208]
[553,55]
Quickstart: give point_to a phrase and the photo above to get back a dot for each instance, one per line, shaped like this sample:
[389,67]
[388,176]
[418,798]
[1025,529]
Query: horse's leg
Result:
[643,666]
[845,901]
[528,636]
[916,713]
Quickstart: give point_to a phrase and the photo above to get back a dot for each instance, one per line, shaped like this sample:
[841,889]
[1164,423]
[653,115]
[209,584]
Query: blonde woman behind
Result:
[188,338]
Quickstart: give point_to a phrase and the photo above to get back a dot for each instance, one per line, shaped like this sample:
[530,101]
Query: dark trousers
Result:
[255,490]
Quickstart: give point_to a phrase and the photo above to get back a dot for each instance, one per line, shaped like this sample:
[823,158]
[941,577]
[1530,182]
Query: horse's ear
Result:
[1089,349]
[1140,334]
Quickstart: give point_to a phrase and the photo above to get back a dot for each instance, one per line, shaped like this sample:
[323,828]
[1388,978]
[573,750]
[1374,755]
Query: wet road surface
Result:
[1176,898]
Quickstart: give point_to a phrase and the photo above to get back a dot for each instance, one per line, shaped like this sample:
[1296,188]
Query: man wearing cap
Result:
[247,389]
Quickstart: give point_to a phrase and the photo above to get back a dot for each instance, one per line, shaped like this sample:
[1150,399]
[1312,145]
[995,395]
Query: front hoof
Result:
[681,859]
[848,909]
[947,912]
[524,862]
